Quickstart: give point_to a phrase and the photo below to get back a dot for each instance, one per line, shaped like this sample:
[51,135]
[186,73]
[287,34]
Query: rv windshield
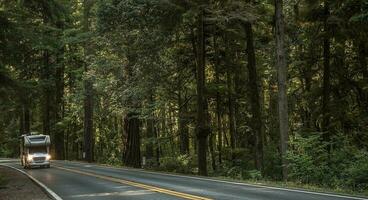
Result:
[41,149]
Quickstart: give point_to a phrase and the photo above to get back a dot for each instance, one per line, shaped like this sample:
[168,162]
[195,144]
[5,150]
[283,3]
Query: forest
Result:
[272,90]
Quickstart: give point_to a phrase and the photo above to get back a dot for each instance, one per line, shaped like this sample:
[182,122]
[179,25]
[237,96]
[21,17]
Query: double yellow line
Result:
[135,184]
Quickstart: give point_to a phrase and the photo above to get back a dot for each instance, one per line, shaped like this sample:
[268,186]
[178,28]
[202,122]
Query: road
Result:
[74,180]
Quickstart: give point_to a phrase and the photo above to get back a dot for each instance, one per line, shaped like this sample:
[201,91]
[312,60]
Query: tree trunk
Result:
[47,96]
[255,98]
[132,154]
[281,64]
[150,130]
[59,112]
[326,78]
[202,129]
[308,74]
[211,141]
[88,90]
[212,150]
[232,121]
[183,125]
[362,56]
[21,123]
[27,120]
[157,135]
[218,102]
[230,100]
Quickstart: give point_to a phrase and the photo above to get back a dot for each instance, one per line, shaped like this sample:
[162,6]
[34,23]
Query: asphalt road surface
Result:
[74,180]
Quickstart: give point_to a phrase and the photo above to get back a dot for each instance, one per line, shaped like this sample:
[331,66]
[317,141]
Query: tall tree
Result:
[202,128]
[88,88]
[281,64]
[255,97]
[326,75]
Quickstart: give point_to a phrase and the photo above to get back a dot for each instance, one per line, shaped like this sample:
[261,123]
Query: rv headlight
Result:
[48,157]
[30,157]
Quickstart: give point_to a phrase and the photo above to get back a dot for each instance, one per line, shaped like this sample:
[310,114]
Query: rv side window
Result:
[41,149]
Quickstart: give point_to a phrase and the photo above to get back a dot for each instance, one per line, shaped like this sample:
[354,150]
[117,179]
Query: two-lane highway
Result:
[74,180]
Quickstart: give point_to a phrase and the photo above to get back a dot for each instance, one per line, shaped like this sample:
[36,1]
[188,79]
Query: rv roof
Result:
[34,136]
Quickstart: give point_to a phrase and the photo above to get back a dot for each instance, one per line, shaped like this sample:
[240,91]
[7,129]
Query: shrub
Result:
[344,167]
[308,159]
[356,175]
[180,164]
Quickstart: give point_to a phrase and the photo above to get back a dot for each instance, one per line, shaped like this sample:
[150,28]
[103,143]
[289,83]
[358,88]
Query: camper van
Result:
[35,151]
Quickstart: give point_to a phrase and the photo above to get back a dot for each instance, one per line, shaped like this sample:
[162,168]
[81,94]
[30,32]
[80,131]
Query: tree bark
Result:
[362,53]
[326,78]
[255,98]
[232,121]
[183,125]
[212,150]
[308,74]
[59,112]
[281,64]
[218,102]
[132,155]
[88,89]
[21,123]
[150,130]
[47,95]
[202,129]
[362,56]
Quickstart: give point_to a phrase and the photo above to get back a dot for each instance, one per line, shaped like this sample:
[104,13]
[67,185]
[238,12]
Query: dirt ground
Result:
[19,187]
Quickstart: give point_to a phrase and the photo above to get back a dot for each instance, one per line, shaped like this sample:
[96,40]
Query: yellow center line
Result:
[140,185]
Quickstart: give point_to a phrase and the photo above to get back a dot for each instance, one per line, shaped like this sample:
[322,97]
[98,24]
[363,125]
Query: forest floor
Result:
[17,186]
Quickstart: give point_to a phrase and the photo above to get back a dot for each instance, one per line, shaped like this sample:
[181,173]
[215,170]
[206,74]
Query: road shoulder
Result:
[19,186]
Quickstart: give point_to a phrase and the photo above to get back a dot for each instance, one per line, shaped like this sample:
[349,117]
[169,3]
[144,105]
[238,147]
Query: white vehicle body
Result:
[35,150]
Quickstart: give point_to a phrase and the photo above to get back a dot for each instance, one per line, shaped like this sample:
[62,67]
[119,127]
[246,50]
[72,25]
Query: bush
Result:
[356,175]
[235,172]
[180,164]
[252,174]
[308,159]
[345,167]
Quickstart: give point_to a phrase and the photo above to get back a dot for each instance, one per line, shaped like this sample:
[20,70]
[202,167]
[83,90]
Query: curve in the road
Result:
[135,184]
[146,178]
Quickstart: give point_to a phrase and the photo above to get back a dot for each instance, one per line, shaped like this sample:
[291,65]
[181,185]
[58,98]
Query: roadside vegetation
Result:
[269,91]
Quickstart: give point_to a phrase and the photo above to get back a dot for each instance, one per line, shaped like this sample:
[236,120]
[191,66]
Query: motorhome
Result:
[35,150]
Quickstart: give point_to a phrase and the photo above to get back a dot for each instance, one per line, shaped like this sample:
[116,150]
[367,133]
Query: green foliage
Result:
[308,159]
[310,163]
[180,164]
[356,174]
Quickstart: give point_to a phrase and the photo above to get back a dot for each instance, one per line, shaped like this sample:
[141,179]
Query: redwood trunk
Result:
[132,154]
[202,129]
[282,85]
[255,98]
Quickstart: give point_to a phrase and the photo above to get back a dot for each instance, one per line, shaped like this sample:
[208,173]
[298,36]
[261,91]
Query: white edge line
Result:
[44,187]
[229,182]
